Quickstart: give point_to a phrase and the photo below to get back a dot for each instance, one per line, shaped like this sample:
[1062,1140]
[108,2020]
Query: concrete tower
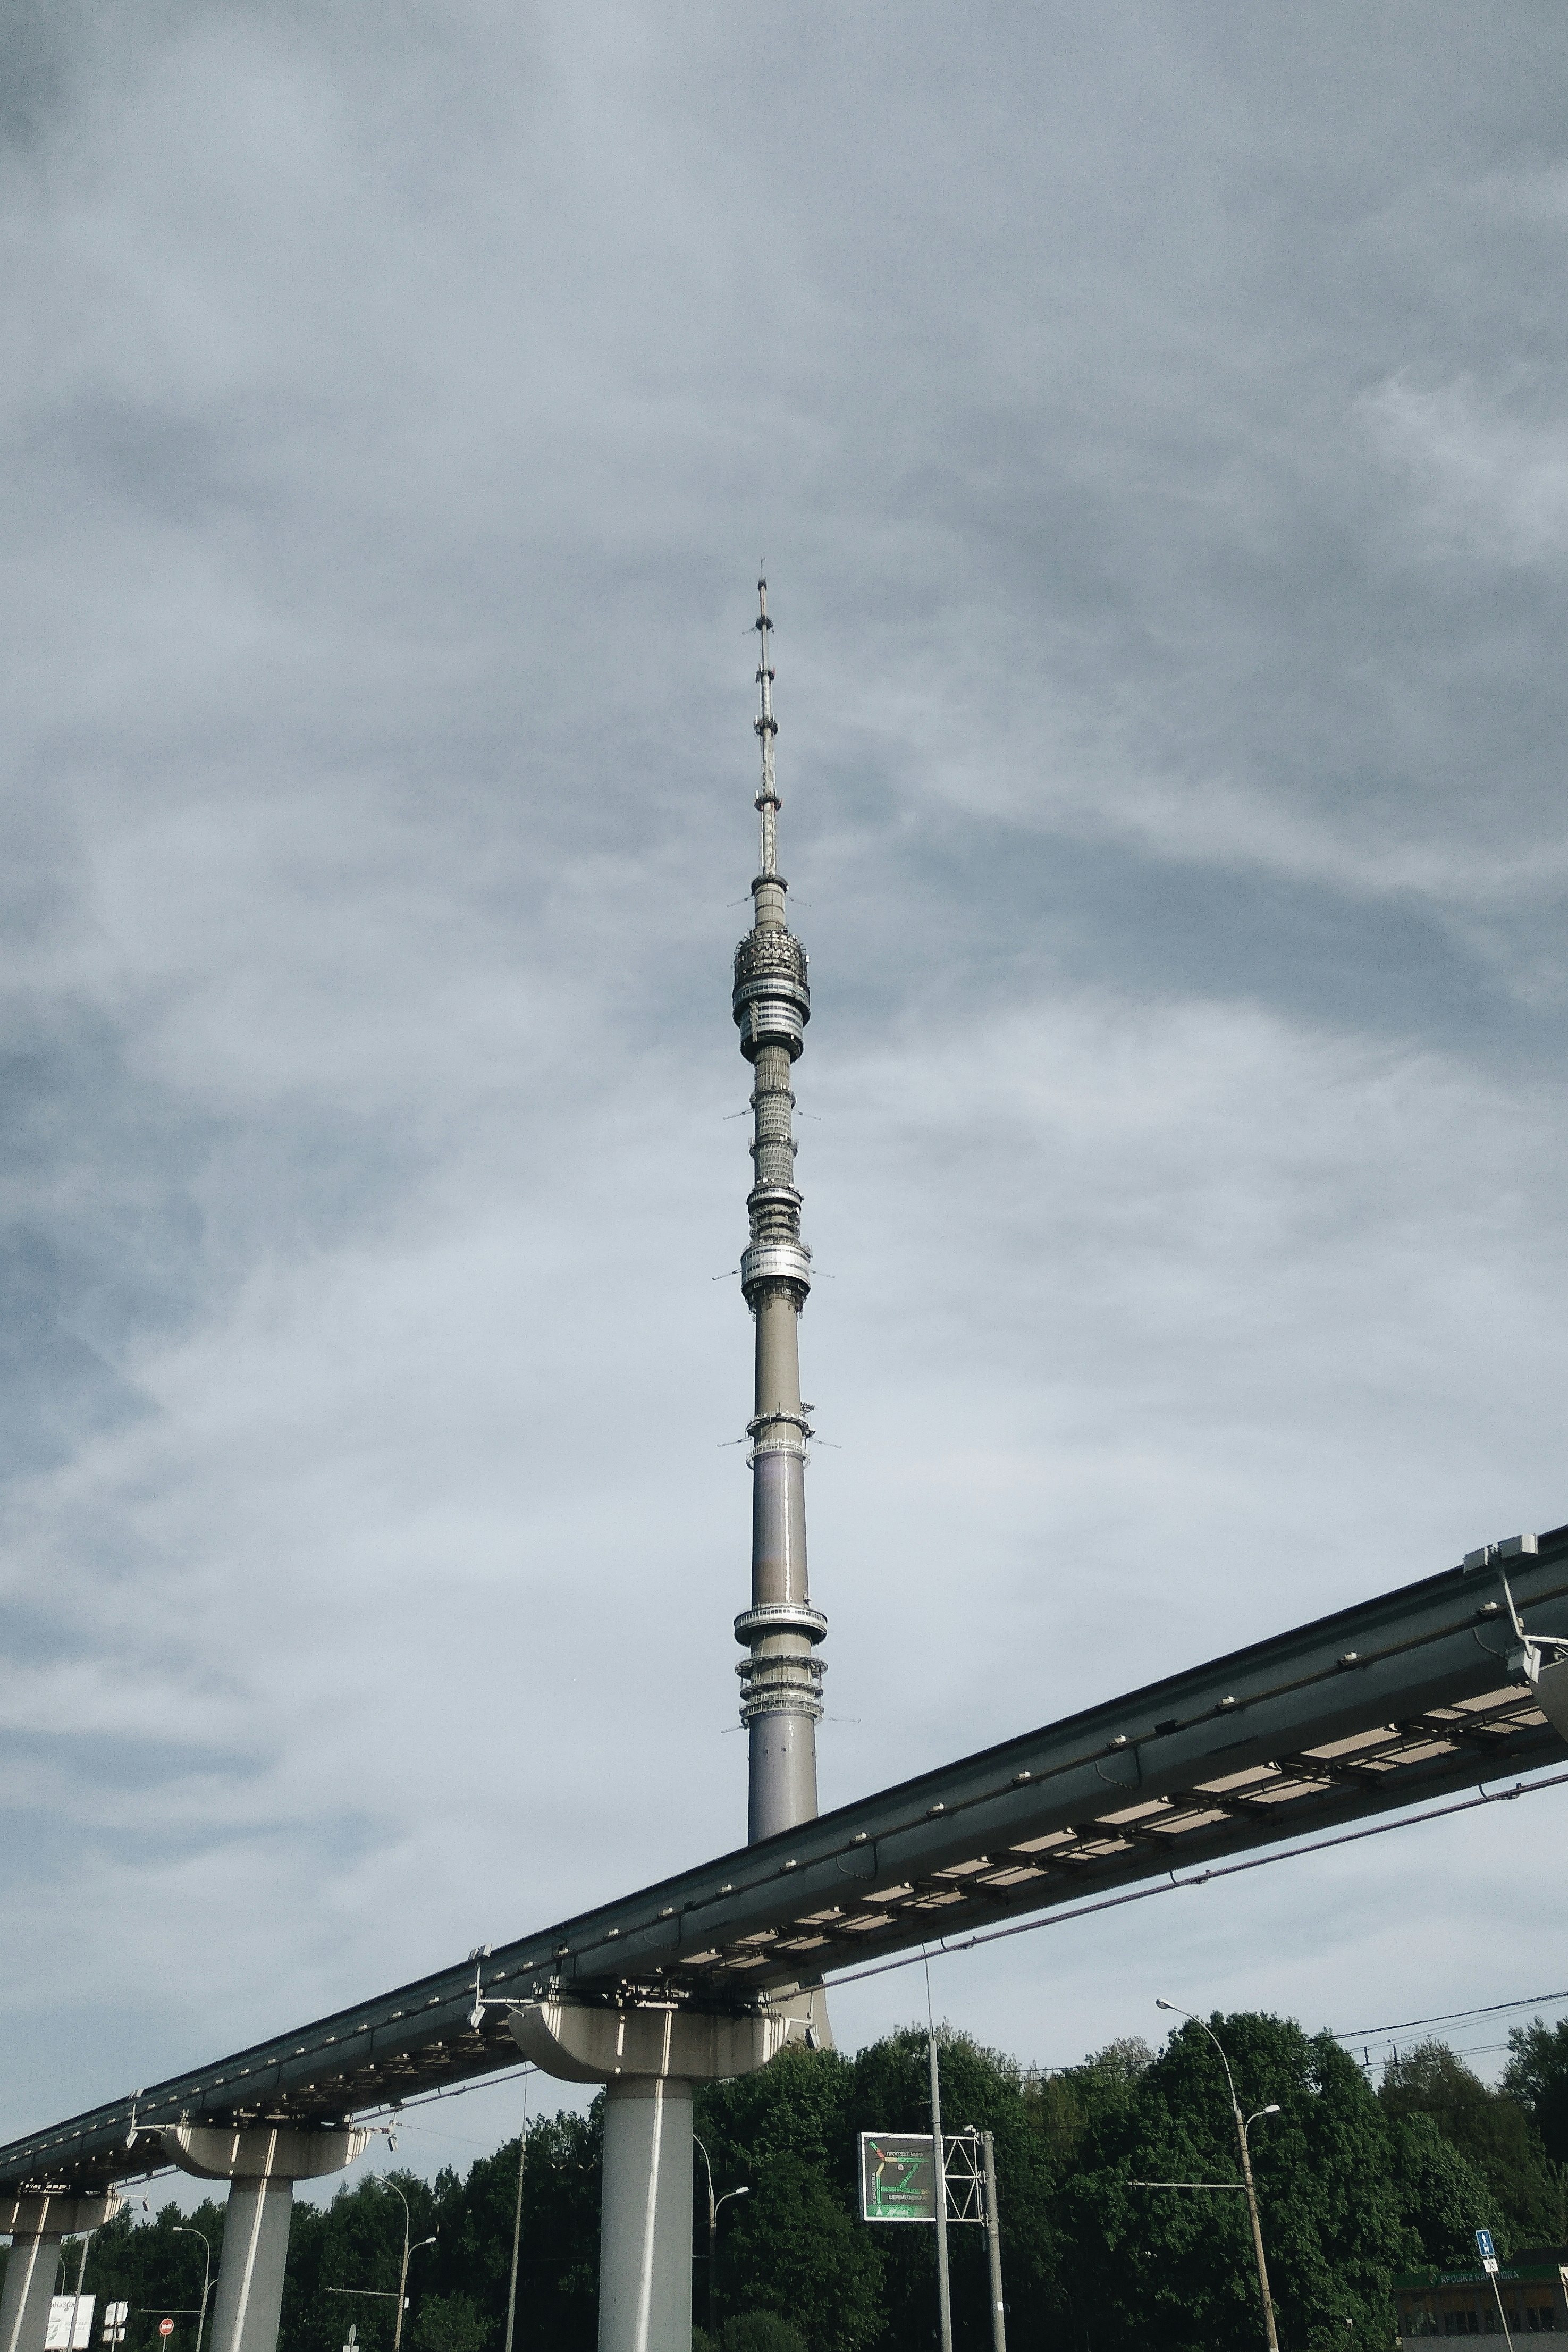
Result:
[781,1675]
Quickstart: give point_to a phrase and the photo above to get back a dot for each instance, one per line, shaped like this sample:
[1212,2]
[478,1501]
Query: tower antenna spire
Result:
[781,1675]
[767,727]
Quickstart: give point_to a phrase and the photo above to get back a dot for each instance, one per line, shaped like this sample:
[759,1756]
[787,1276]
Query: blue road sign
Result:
[1484,2242]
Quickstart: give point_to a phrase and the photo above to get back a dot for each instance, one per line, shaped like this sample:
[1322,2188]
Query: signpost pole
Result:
[938,2156]
[993,2247]
[1490,2264]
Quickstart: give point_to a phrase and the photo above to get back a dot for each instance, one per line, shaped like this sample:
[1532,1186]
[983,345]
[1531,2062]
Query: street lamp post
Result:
[713,2205]
[1243,2124]
[408,2250]
[182,2232]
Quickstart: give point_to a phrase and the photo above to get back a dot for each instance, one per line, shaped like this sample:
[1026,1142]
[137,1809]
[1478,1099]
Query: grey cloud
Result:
[1152,422]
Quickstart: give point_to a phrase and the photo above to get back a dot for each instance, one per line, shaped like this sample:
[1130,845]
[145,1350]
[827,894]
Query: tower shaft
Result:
[781,1676]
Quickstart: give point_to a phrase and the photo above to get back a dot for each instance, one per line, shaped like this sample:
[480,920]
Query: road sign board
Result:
[115,2315]
[897,2177]
[70,2323]
[166,2327]
[1484,2245]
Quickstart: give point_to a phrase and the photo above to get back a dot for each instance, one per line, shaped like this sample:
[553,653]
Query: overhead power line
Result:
[1451,2016]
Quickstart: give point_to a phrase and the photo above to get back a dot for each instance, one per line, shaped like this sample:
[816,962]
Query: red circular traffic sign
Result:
[166,2327]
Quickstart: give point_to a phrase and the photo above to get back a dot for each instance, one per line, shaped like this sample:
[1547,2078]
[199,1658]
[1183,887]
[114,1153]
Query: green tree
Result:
[450,2323]
[1061,2106]
[760,2331]
[558,2273]
[796,2253]
[793,2248]
[1491,2129]
[1444,2198]
[1174,2270]
[458,2287]
[142,2261]
[979,2087]
[1537,2076]
[339,2250]
[1352,2188]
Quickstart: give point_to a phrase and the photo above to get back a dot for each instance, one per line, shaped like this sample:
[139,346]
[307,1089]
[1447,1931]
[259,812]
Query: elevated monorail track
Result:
[1397,1701]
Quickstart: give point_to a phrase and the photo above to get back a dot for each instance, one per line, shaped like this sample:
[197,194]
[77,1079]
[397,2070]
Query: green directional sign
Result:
[897,2177]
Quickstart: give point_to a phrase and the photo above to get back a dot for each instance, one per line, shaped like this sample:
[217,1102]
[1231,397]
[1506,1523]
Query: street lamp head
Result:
[1164,2004]
[740,2192]
[1273,2110]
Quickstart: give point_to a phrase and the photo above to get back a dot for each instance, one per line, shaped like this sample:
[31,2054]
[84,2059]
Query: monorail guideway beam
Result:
[1405,1699]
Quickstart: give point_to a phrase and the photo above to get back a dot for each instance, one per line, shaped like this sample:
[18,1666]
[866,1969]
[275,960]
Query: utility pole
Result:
[993,2247]
[517,2223]
[939,2156]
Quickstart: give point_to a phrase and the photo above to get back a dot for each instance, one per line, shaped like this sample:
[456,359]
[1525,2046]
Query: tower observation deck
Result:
[781,1675]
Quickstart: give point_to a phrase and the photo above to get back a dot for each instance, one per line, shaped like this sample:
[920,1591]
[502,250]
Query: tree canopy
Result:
[1353,2185]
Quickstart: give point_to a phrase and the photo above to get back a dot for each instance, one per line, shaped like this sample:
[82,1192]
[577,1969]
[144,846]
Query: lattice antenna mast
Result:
[781,1675]
[767,727]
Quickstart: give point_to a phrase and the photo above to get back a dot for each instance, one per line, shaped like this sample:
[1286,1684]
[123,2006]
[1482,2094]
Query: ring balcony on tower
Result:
[772,993]
[766,1262]
[779,1617]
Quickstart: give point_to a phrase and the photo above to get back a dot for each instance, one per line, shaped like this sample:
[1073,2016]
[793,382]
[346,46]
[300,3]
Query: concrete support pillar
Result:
[37,2225]
[644,2228]
[261,2165]
[250,2276]
[648,2057]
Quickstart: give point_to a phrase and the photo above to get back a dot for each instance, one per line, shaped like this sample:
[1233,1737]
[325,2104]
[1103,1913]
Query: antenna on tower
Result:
[767,727]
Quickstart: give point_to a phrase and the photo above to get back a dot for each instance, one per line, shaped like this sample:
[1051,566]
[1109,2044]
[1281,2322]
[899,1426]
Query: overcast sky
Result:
[1155,425]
